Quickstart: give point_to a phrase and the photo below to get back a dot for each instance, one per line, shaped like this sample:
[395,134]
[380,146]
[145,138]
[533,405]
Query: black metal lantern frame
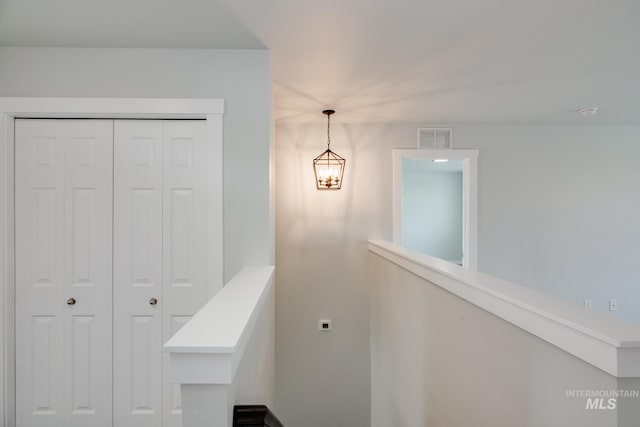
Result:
[328,167]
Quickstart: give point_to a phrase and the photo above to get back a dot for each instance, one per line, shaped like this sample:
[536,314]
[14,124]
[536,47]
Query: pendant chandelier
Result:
[328,166]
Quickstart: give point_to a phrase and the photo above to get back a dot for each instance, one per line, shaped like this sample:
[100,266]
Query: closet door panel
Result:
[39,199]
[185,233]
[63,272]
[185,222]
[88,238]
[137,267]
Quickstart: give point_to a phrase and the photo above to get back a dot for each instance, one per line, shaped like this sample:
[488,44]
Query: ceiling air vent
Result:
[435,138]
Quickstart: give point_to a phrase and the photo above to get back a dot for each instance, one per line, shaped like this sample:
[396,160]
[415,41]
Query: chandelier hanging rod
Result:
[328,113]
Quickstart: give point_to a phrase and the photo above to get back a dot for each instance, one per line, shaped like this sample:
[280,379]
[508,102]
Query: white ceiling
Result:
[122,23]
[411,61]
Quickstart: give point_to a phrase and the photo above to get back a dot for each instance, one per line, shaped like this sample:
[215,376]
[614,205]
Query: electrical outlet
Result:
[613,305]
[588,304]
[325,325]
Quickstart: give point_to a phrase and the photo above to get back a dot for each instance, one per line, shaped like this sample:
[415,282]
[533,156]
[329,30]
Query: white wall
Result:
[438,360]
[432,213]
[241,77]
[322,378]
[558,209]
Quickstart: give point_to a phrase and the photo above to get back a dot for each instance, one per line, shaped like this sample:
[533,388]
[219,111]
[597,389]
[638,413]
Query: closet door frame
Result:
[211,110]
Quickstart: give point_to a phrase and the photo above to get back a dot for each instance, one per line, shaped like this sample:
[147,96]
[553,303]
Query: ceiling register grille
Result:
[435,138]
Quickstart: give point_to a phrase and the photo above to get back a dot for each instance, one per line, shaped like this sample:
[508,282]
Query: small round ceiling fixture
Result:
[588,111]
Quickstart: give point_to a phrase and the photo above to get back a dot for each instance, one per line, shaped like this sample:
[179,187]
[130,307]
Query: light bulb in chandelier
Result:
[328,167]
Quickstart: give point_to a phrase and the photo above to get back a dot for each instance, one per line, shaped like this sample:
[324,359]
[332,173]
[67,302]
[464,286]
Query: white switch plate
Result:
[325,325]
[613,305]
[588,304]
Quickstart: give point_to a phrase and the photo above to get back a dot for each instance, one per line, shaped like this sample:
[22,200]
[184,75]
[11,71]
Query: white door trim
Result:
[469,196]
[135,108]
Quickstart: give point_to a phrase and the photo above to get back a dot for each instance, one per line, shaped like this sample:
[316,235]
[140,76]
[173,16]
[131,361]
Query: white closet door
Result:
[138,379]
[63,272]
[160,208]
[185,237]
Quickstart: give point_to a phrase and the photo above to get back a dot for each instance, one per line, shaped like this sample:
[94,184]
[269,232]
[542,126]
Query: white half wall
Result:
[437,359]
[224,356]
